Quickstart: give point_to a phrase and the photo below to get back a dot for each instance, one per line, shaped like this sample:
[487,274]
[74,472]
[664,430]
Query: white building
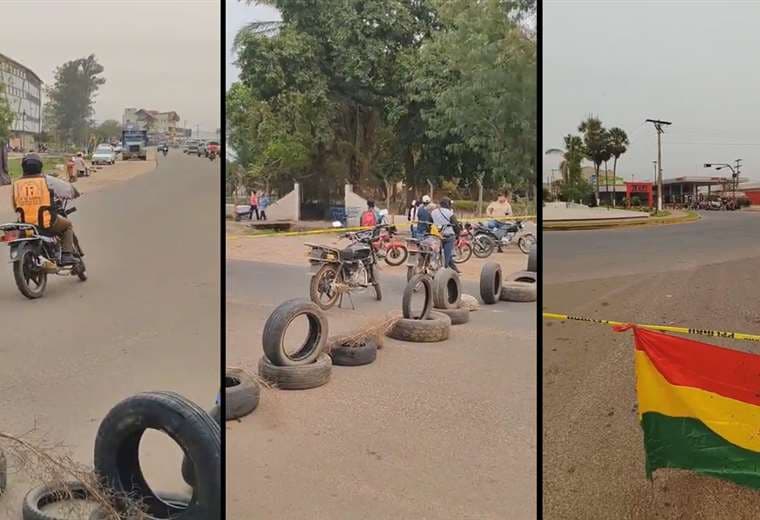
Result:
[157,123]
[23,91]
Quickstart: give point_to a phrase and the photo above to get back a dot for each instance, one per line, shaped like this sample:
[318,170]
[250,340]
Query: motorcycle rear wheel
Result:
[321,284]
[525,242]
[31,282]
[396,255]
[462,253]
[483,246]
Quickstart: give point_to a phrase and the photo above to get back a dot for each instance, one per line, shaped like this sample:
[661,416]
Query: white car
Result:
[117,148]
[104,154]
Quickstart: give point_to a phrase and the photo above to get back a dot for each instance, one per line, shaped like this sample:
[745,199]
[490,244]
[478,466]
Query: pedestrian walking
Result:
[449,228]
[254,202]
[263,205]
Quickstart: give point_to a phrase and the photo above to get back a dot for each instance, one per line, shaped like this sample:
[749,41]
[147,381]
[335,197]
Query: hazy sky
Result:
[237,15]
[158,54]
[690,62]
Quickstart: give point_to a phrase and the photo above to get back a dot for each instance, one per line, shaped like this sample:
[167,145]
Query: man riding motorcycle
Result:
[35,204]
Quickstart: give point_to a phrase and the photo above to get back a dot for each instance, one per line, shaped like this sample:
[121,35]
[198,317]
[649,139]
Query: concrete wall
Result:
[287,207]
[355,206]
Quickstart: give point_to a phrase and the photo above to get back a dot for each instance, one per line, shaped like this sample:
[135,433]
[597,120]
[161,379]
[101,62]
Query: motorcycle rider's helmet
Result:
[425,199]
[31,164]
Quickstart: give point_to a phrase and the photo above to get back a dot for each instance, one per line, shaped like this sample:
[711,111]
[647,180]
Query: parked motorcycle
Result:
[386,245]
[425,256]
[35,256]
[506,233]
[339,270]
[463,246]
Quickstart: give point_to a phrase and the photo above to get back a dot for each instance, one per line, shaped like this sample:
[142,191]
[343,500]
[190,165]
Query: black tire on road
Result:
[175,499]
[519,292]
[533,258]
[490,283]
[277,324]
[187,466]
[299,377]
[410,289]
[41,496]
[117,452]
[434,328]
[21,279]
[376,282]
[457,316]
[522,276]
[327,270]
[447,289]
[241,394]
[351,356]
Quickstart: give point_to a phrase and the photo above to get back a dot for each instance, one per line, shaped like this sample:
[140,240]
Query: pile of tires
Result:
[241,394]
[425,326]
[447,296]
[309,366]
[351,351]
[520,287]
[118,468]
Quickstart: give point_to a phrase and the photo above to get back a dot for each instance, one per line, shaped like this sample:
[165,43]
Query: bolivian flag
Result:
[699,406]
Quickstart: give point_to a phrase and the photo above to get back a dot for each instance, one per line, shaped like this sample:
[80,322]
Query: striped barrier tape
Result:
[741,336]
[361,228]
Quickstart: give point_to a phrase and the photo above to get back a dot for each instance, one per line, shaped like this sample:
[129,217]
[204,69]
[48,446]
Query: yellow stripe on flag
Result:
[735,421]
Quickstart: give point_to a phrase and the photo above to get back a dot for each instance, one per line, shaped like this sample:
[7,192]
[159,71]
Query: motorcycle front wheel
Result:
[30,279]
[396,255]
[462,253]
[526,242]
[322,290]
[483,246]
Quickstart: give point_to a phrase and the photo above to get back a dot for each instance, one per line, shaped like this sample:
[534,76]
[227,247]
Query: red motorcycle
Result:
[463,248]
[388,247]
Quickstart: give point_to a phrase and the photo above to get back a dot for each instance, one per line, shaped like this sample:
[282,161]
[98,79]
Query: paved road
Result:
[147,319]
[444,431]
[702,275]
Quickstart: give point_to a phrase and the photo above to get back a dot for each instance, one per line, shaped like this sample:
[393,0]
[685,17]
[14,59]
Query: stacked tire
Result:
[309,366]
[447,296]
[520,287]
[425,326]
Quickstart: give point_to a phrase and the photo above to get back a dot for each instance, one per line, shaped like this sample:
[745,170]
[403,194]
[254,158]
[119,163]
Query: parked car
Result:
[192,148]
[117,148]
[103,154]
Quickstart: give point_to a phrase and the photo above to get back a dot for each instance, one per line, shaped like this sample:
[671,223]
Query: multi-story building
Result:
[23,91]
[161,125]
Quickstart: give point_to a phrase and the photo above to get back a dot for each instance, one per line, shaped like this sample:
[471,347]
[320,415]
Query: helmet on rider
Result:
[425,199]
[31,164]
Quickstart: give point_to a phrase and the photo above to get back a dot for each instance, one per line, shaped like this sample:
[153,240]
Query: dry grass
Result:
[47,466]
[372,330]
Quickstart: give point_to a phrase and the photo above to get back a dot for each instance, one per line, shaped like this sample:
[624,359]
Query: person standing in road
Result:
[501,207]
[81,167]
[411,216]
[449,227]
[5,176]
[263,204]
[424,219]
[254,202]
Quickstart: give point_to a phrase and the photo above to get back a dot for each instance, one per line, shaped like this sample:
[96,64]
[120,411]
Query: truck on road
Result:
[134,144]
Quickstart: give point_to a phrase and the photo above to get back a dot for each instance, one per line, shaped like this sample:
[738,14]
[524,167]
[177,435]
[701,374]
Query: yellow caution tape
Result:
[662,328]
[362,228]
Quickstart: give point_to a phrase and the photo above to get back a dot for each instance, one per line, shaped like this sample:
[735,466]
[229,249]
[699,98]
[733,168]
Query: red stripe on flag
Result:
[685,362]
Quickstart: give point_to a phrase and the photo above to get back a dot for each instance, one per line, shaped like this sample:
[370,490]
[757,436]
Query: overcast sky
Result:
[158,54]
[690,62]
[239,14]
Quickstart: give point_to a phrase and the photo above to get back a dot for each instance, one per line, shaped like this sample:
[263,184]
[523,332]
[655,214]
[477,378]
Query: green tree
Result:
[6,117]
[595,145]
[618,146]
[72,95]
[108,129]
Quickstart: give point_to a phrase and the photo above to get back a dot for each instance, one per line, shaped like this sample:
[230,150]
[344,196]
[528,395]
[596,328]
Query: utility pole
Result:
[736,178]
[654,179]
[658,126]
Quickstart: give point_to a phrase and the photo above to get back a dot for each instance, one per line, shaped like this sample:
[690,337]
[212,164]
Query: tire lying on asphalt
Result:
[409,290]
[490,282]
[457,316]
[343,354]
[38,498]
[533,258]
[435,327]
[187,467]
[241,394]
[522,276]
[519,292]
[298,377]
[117,453]
[277,324]
[3,472]
[447,289]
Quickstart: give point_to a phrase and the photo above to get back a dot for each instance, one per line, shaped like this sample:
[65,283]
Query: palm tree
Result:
[618,146]
[595,144]
[571,154]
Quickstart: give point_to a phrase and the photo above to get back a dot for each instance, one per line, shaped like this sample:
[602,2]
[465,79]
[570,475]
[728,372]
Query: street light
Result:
[734,174]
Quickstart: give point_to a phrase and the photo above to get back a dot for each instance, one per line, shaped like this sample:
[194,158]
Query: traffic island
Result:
[598,220]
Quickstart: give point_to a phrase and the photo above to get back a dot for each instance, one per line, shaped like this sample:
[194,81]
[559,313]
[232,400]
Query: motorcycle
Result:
[336,271]
[505,233]
[425,256]
[35,256]
[387,247]
[211,156]
[165,151]
[463,246]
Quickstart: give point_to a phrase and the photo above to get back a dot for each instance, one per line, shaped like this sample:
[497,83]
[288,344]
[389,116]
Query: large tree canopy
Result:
[376,91]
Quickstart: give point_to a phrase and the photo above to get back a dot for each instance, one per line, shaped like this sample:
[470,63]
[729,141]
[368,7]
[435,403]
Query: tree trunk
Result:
[597,165]
[480,194]
[607,180]
[614,176]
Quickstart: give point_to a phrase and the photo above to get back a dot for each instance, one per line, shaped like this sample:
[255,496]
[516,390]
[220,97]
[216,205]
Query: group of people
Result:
[259,203]
[76,167]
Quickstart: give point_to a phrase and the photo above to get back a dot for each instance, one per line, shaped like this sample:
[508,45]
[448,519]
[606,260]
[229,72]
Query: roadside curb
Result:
[591,224]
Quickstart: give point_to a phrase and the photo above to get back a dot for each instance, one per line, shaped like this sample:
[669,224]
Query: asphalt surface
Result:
[147,319]
[428,431]
[701,275]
